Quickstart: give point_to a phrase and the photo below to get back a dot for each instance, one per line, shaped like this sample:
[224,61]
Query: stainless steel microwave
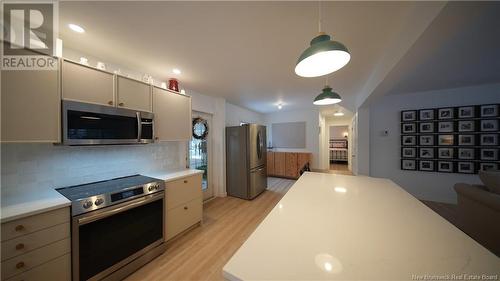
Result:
[92,124]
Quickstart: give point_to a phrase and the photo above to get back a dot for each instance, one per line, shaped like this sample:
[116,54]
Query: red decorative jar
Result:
[173,85]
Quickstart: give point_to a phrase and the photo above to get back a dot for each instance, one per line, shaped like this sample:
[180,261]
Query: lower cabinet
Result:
[184,199]
[287,164]
[37,247]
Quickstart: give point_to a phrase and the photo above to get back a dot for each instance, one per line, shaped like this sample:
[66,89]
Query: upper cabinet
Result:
[133,94]
[87,84]
[172,115]
[31,106]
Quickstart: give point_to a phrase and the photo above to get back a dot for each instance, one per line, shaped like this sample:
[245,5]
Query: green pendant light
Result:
[327,97]
[324,56]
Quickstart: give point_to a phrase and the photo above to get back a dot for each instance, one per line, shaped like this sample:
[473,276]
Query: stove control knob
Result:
[87,204]
[150,188]
[99,201]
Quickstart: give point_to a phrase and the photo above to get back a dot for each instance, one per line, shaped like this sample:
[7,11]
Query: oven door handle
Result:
[135,203]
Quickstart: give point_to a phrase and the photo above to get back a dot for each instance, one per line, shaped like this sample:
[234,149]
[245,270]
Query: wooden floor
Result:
[341,169]
[202,252]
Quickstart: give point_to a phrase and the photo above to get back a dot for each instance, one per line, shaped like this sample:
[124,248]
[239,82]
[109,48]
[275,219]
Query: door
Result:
[133,94]
[200,150]
[172,116]
[257,149]
[87,84]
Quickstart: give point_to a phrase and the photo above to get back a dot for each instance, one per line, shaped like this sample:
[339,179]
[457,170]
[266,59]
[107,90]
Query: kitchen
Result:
[98,180]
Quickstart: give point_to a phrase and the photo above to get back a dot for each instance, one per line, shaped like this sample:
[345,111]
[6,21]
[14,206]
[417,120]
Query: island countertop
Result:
[337,227]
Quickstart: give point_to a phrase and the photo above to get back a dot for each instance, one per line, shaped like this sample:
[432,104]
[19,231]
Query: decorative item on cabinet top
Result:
[462,139]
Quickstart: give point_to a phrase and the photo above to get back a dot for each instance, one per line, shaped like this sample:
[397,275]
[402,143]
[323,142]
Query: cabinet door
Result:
[31,106]
[87,84]
[279,164]
[270,163]
[172,116]
[133,94]
[302,160]
[291,165]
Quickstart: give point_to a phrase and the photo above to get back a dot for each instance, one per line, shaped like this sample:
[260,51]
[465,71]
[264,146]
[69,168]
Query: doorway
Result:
[338,149]
[200,150]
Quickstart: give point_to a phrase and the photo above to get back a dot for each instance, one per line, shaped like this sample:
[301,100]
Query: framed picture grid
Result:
[454,139]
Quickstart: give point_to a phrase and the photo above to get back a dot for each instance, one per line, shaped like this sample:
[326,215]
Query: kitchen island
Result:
[337,227]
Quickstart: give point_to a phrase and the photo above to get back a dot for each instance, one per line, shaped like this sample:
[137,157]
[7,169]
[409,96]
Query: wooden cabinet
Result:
[172,115]
[291,170]
[286,164]
[31,106]
[37,247]
[184,199]
[279,164]
[87,84]
[133,94]
[270,163]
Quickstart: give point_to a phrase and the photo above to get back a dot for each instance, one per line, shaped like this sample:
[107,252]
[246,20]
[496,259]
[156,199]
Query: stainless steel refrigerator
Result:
[246,173]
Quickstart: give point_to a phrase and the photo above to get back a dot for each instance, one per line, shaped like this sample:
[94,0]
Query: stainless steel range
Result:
[117,226]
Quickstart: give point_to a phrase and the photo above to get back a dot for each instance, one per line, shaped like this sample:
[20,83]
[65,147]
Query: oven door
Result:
[105,240]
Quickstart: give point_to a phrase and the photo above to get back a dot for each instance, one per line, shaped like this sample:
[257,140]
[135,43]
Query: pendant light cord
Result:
[319,16]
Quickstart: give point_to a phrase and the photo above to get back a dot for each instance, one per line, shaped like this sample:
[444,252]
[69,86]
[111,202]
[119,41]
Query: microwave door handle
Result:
[139,126]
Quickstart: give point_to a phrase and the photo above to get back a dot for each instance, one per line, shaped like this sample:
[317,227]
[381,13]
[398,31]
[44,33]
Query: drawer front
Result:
[58,269]
[35,240]
[182,217]
[184,190]
[35,258]
[34,223]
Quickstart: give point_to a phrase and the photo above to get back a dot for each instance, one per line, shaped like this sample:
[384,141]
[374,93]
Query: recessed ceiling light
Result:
[76,28]
[280,106]
[338,113]
[176,71]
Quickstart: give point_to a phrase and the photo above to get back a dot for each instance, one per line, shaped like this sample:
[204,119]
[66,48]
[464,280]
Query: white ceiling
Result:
[244,52]
[459,48]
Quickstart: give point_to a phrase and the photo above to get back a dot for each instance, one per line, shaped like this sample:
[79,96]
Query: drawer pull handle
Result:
[19,227]
[20,246]
[185,208]
[20,265]
[121,104]
[185,181]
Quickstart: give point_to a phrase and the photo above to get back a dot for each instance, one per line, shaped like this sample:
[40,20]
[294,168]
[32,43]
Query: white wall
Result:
[337,131]
[236,115]
[312,130]
[384,153]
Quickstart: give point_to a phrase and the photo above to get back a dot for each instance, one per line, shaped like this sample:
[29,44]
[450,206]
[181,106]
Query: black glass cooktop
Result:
[81,191]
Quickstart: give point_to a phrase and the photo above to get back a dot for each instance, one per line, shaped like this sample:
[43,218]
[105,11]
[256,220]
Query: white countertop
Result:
[24,203]
[337,227]
[173,174]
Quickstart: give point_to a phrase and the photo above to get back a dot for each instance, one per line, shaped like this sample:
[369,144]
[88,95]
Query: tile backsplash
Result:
[29,166]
